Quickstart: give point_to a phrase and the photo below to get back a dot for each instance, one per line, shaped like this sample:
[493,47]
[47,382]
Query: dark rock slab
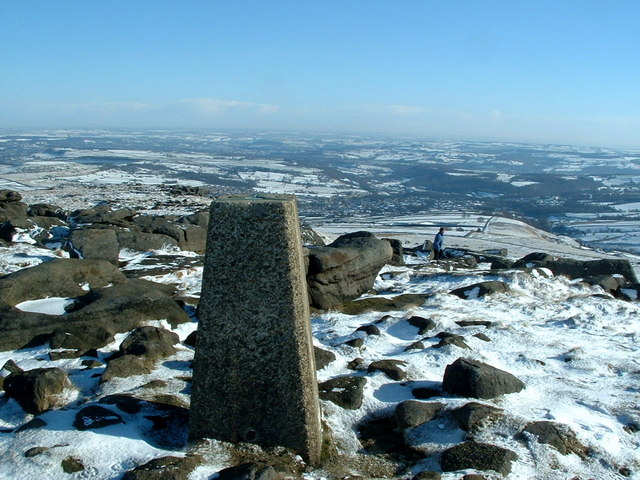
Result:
[369,329]
[412,413]
[470,378]
[248,471]
[165,468]
[346,391]
[480,456]
[383,304]
[379,435]
[559,436]
[447,338]
[94,416]
[481,289]
[391,368]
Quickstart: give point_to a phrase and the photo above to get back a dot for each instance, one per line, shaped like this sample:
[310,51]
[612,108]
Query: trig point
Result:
[254,370]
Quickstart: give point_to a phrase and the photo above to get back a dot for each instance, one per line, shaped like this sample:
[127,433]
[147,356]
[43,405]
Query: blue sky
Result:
[547,71]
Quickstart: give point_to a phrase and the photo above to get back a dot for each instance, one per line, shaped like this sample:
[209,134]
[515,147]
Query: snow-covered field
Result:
[575,348]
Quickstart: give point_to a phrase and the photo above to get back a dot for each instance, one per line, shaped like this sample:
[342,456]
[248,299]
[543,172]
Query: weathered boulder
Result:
[481,289]
[412,413]
[63,277]
[127,366]
[345,269]
[391,368]
[500,263]
[72,465]
[447,338]
[37,390]
[473,414]
[9,196]
[115,309]
[481,456]
[95,244]
[346,391]
[470,378]
[45,210]
[422,324]
[559,436]
[13,210]
[142,242]
[578,268]
[609,283]
[103,214]
[398,252]
[150,342]
[165,468]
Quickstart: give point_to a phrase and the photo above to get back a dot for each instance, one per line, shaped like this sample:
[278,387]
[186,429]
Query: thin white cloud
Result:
[395,110]
[217,106]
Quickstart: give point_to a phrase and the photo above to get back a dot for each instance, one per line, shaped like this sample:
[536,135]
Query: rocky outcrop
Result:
[95,244]
[470,378]
[58,278]
[345,269]
[39,389]
[578,268]
[98,312]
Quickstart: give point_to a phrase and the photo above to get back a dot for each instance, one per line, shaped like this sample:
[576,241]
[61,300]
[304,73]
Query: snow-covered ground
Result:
[576,349]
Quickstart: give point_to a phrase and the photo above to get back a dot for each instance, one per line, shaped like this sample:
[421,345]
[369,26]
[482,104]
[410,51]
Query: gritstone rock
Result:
[470,378]
[346,268]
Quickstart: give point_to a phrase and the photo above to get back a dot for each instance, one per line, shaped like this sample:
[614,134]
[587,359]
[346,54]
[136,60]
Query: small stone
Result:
[427,475]
[422,324]
[355,342]
[412,413]
[35,451]
[482,337]
[323,357]
[369,329]
[391,368]
[346,391]
[356,363]
[72,465]
[12,367]
[415,346]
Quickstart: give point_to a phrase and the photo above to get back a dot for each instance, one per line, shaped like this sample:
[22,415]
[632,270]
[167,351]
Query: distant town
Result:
[590,194]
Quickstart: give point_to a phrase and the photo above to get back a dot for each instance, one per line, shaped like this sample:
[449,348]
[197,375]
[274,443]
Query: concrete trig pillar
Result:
[254,370]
